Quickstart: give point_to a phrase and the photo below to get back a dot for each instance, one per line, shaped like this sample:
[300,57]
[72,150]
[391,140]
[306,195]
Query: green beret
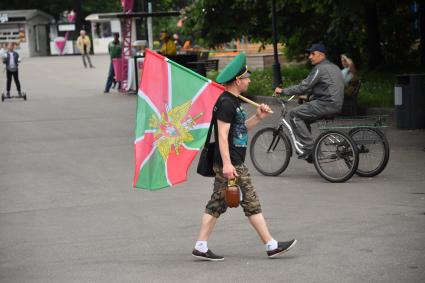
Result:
[235,68]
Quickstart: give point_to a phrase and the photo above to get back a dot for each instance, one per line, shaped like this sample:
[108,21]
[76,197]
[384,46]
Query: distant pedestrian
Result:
[114,49]
[177,41]
[168,47]
[3,50]
[12,61]
[83,43]
[349,74]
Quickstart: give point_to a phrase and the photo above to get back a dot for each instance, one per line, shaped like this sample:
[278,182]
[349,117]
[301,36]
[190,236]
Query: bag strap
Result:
[207,141]
[220,99]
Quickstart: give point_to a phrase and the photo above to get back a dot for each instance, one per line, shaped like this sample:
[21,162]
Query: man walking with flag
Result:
[230,130]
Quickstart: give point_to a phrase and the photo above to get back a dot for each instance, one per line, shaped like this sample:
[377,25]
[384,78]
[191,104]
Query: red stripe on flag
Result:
[206,100]
[141,151]
[178,165]
[155,80]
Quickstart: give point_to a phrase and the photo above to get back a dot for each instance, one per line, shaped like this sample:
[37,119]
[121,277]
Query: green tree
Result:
[374,33]
[168,24]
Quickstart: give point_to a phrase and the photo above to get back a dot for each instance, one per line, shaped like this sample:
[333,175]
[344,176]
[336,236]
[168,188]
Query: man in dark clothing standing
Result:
[114,49]
[325,88]
[231,128]
[12,61]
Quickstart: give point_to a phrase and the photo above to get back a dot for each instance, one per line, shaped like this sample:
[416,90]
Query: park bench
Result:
[204,66]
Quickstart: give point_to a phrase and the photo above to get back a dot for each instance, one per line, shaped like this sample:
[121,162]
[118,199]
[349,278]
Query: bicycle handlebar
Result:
[281,99]
[283,102]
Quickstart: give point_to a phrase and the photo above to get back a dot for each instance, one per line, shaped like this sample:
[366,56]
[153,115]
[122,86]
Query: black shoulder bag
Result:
[206,159]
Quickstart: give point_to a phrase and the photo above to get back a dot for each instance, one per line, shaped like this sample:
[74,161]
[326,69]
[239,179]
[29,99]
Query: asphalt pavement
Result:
[68,212]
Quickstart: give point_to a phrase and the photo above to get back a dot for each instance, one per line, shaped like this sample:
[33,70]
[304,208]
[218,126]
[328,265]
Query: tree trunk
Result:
[373,36]
[139,6]
[422,31]
[79,20]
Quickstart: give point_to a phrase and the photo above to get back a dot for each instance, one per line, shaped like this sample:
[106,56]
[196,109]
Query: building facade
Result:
[29,29]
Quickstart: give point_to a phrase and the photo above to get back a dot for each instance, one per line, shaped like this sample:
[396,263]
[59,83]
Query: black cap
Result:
[317,47]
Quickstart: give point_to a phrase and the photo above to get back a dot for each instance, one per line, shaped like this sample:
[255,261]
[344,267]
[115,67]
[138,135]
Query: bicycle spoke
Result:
[335,156]
[373,151]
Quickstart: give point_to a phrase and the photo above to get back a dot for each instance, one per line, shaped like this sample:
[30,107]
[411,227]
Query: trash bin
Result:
[409,101]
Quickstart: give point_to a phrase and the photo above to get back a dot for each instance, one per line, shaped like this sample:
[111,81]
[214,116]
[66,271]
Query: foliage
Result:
[341,24]
[169,5]
[261,81]
[168,24]
[377,88]
[96,6]
[220,21]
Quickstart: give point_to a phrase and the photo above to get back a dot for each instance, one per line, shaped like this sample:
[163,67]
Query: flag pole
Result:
[247,100]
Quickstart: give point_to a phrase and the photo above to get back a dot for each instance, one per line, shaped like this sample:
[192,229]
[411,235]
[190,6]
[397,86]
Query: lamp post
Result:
[277,78]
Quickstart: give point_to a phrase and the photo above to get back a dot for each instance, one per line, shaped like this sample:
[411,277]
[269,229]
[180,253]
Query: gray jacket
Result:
[326,84]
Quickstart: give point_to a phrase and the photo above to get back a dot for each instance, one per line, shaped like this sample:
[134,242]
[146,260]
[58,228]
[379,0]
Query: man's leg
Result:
[17,83]
[201,250]
[273,247]
[259,223]
[252,209]
[88,59]
[297,118]
[8,82]
[251,203]
[214,208]
[110,78]
[207,226]
[84,60]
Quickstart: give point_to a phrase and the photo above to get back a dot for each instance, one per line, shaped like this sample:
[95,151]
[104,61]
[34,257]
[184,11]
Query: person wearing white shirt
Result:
[348,71]
[2,50]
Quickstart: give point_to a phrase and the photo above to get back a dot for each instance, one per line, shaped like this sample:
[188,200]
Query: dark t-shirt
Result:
[228,109]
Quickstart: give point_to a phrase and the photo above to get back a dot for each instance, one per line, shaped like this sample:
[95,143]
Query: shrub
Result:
[377,89]
[261,80]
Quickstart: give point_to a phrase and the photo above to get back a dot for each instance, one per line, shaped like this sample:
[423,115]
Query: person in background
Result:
[114,50]
[168,47]
[177,41]
[3,50]
[186,45]
[349,74]
[326,87]
[12,61]
[83,44]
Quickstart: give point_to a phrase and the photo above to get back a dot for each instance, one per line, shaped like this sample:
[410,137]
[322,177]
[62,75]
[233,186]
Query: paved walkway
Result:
[68,212]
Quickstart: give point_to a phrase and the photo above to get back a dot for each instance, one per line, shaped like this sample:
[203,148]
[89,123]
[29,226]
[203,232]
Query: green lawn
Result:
[377,89]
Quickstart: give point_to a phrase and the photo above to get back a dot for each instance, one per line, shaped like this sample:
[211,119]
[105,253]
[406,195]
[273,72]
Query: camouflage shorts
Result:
[250,201]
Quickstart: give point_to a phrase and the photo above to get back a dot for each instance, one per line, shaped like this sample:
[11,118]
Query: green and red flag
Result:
[174,111]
